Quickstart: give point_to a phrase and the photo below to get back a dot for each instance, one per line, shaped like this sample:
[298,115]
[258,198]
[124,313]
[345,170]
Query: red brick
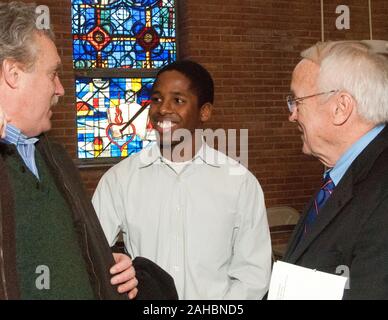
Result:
[251,48]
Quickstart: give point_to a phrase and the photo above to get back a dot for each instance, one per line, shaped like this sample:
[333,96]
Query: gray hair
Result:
[17,30]
[357,68]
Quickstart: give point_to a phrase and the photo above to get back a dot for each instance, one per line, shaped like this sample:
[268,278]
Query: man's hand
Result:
[125,275]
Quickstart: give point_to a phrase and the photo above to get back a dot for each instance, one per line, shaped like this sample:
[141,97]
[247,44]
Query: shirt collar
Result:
[342,165]
[204,155]
[14,136]
[207,155]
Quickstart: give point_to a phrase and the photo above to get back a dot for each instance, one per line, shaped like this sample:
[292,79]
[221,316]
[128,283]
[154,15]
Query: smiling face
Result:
[37,89]
[174,105]
[312,116]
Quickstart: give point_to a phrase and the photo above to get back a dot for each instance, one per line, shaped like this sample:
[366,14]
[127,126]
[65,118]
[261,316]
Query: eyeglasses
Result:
[292,101]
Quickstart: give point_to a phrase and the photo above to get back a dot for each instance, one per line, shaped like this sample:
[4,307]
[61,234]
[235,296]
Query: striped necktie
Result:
[320,199]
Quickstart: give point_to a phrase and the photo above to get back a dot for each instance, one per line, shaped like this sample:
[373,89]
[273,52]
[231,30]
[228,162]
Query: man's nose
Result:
[59,90]
[165,107]
[293,116]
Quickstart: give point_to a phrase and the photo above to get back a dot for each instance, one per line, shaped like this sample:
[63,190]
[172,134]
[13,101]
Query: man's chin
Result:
[45,128]
[306,150]
[165,139]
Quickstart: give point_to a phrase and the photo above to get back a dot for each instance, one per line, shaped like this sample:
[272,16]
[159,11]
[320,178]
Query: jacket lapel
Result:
[342,194]
[299,229]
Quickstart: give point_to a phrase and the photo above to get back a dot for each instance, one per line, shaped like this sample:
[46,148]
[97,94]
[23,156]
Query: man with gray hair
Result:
[51,244]
[340,103]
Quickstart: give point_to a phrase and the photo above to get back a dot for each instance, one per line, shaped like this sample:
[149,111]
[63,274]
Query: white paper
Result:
[291,282]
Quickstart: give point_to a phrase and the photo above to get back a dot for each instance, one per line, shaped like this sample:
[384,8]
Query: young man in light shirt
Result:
[181,204]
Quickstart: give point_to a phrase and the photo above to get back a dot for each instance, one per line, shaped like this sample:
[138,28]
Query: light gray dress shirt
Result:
[206,226]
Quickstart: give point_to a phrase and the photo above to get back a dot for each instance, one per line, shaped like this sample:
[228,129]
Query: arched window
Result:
[118,47]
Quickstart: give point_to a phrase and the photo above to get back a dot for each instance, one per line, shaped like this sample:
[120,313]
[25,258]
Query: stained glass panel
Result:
[104,107]
[123,33]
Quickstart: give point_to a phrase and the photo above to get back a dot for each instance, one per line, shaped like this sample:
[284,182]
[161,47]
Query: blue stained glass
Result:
[123,33]
[127,34]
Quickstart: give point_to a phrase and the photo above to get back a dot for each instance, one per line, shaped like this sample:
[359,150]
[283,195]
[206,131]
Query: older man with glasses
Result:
[340,104]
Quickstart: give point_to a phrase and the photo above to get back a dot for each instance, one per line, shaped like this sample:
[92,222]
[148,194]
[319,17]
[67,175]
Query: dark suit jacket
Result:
[351,230]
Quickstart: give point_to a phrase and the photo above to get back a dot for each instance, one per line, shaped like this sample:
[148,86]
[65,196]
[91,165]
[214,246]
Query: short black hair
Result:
[201,81]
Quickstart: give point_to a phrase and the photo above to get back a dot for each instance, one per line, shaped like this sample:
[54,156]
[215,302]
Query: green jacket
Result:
[91,237]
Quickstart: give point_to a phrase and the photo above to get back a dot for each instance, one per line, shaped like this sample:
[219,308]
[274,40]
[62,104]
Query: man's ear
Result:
[343,108]
[206,112]
[11,72]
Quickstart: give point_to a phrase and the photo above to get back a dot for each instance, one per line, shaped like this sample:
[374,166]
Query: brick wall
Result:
[250,47]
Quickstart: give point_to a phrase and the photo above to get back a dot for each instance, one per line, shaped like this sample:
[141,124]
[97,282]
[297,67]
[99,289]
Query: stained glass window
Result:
[104,107]
[123,33]
[118,47]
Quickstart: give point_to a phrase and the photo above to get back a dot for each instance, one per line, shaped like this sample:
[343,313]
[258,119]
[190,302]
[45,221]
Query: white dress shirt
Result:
[206,226]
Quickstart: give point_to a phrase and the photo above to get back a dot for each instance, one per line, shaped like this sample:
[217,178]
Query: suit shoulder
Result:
[379,170]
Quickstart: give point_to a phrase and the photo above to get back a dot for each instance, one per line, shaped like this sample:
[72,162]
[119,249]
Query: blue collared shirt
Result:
[342,165]
[24,145]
